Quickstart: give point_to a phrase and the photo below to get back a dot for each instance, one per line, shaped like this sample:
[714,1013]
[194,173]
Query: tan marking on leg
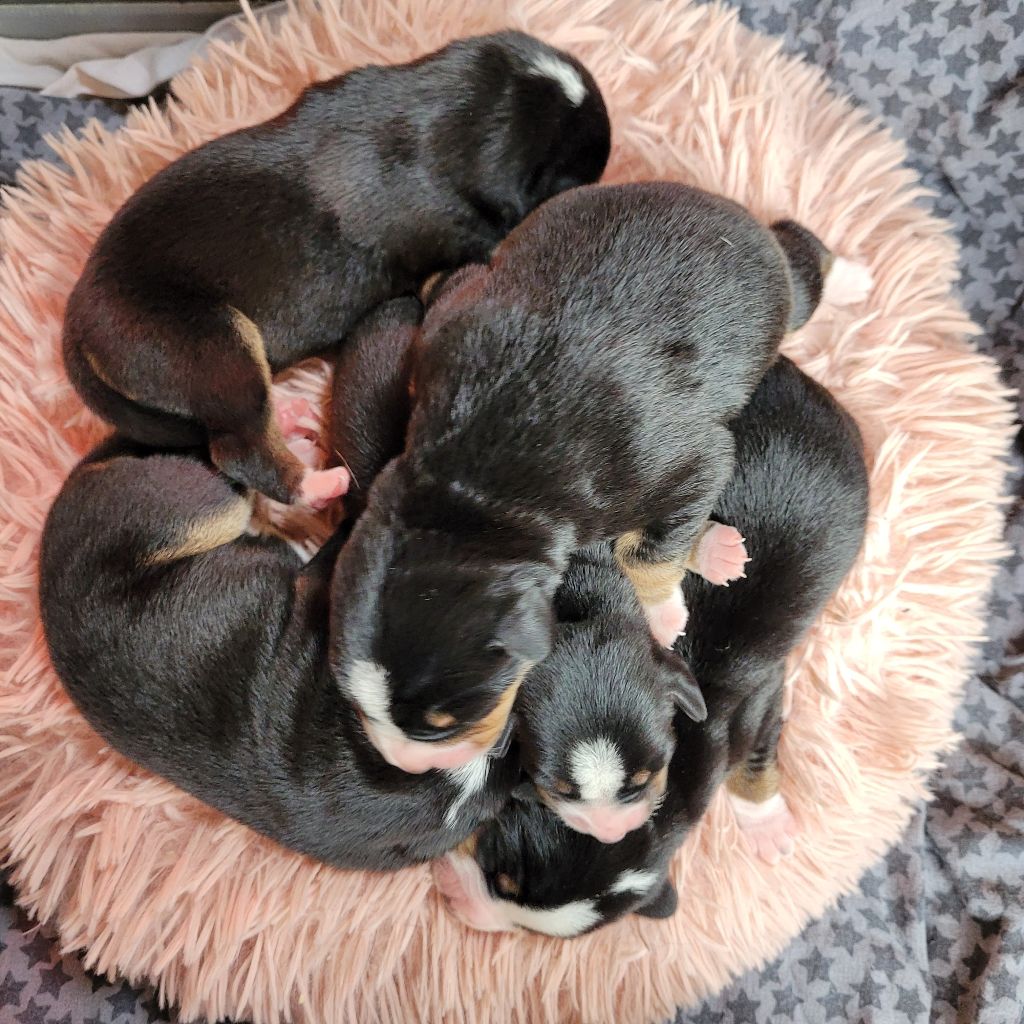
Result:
[204,535]
[653,582]
[468,845]
[252,340]
[102,375]
[754,784]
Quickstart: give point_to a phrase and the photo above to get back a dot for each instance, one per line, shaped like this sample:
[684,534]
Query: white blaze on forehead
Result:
[367,685]
[562,922]
[639,882]
[564,74]
[597,769]
[470,778]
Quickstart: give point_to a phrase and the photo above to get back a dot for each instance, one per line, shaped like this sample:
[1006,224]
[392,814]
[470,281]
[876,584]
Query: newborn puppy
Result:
[575,390]
[268,244]
[799,493]
[595,716]
[198,651]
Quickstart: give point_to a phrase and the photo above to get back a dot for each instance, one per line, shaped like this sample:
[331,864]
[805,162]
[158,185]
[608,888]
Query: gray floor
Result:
[936,932]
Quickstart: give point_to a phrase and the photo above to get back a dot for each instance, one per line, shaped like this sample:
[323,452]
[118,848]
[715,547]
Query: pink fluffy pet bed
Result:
[154,886]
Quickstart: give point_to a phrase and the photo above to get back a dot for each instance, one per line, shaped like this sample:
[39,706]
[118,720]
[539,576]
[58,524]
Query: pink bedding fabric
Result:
[155,886]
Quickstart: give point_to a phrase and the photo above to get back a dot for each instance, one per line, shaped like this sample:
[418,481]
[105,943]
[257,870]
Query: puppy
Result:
[799,493]
[575,390]
[198,651]
[268,244]
[595,716]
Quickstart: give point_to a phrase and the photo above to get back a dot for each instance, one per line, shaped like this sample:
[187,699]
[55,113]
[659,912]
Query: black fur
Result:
[367,184]
[799,495]
[210,670]
[577,388]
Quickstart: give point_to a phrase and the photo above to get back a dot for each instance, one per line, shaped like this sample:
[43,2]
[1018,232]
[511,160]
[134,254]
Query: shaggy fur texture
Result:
[153,885]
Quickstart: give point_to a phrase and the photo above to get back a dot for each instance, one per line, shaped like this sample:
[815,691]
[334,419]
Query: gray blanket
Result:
[935,933]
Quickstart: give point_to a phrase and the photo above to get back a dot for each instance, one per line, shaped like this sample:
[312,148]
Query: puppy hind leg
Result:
[246,439]
[764,817]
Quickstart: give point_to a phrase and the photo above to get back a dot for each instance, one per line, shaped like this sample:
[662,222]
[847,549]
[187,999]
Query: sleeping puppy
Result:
[575,390]
[595,717]
[198,651]
[268,244]
[799,493]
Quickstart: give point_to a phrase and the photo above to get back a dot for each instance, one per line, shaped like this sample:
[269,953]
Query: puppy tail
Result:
[808,262]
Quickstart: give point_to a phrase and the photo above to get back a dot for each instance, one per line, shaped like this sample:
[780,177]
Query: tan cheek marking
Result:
[755,786]
[653,582]
[489,728]
[206,534]
[467,846]
[659,782]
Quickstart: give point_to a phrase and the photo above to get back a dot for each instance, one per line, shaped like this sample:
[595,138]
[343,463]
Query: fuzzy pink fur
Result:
[152,885]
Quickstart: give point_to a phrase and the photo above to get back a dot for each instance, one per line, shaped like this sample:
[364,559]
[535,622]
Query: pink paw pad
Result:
[296,416]
[319,487]
[668,618]
[721,554]
[769,829]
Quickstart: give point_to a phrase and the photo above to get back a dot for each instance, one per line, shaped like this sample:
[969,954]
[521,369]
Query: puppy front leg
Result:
[656,558]
[764,817]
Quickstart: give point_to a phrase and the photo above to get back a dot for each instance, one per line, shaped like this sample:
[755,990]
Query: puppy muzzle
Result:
[607,823]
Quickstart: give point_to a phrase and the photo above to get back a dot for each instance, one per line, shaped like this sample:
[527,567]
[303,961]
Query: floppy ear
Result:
[681,685]
[662,904]
[528,628]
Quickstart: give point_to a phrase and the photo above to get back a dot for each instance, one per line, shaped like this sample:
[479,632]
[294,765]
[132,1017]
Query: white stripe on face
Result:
[597,769]
[367,685]
[639,882]
[564,74]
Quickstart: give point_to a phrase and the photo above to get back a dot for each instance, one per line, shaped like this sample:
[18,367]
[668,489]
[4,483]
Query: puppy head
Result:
[433,650]
[596,726]
[530,123]
[527,871]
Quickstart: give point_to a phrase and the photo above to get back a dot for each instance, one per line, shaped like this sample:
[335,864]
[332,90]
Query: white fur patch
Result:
[562,922]
[596,767]
[639,882]
[470,779]
[564,74]
[367,685]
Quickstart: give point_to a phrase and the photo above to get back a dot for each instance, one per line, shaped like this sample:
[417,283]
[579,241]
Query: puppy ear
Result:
[662,904]
[527,630]
[526,792]
[681,685]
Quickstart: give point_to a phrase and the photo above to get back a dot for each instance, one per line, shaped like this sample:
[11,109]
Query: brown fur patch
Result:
[755,785]
[202,535]
[639,778]
[252,340]
[468,845]
[489,728]
[439,719]
[653,582]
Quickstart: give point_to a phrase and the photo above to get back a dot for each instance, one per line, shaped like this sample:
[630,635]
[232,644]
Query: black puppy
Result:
[268,244]
[799,493]
[577,389]
[199,652]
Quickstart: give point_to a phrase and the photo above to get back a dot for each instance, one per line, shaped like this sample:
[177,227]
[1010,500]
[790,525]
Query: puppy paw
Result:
[296,417]
[305,451]
[668,618]
[768,828]
[320,487]
[847,283]
[721,554]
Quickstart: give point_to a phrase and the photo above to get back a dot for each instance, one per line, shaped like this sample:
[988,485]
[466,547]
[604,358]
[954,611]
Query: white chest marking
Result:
[639,882]
[470,778]
[564,74]
[596,767]
[563,922]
